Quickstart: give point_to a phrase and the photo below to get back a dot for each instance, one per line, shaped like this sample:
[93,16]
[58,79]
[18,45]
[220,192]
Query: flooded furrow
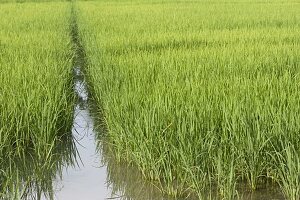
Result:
[95,176]
[88,179]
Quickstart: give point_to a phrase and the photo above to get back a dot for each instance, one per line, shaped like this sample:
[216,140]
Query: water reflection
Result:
[88,179]
[126,182]
[265,191]
[31,177]
[123,181]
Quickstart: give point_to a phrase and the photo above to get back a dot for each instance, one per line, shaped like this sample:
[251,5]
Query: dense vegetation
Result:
[199,95]
[36,100]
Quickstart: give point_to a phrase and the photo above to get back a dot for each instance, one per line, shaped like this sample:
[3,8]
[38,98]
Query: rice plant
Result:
[36,95]
[198,95]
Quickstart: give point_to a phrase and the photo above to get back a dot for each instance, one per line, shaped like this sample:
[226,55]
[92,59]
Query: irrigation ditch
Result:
[96,174]
[86,179]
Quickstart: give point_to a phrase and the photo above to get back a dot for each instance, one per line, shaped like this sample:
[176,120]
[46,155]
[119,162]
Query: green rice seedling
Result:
[196,94]
[36,95]
[31,177]
[287,168]
[26,1]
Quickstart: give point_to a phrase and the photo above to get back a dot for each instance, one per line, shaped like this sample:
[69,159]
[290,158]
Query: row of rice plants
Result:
[36,100]
[26,1]
[199,95]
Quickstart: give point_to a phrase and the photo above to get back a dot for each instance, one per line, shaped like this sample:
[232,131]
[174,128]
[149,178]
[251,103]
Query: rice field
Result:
[200,96]
[36,96]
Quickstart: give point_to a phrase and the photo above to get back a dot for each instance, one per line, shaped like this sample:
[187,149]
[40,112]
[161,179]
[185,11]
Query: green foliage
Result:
[36,100]
[199,94]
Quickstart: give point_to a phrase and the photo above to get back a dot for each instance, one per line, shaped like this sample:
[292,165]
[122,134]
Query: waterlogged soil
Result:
[264,192]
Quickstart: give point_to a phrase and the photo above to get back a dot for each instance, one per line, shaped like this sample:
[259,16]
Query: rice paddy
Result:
[201,98]
[36,96]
